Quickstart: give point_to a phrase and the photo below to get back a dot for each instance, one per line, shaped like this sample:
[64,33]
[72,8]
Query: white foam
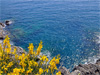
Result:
[92,59]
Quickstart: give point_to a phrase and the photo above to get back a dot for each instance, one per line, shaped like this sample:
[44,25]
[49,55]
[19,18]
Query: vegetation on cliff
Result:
[31,62]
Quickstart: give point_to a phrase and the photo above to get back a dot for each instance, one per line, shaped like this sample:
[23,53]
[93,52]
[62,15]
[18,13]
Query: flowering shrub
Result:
[13,64]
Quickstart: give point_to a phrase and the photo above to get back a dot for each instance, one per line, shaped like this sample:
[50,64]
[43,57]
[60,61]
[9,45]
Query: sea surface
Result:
[70,28]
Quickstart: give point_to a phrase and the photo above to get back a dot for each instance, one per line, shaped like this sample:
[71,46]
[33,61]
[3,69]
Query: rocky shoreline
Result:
[81,69]
[3,34]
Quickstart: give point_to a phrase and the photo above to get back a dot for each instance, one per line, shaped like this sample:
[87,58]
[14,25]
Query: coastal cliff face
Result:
[81,69]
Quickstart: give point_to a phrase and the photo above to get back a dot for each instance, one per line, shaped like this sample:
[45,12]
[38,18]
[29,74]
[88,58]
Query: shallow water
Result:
[68,28]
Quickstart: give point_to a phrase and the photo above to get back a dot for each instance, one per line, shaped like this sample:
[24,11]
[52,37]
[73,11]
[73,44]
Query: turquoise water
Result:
[68,28]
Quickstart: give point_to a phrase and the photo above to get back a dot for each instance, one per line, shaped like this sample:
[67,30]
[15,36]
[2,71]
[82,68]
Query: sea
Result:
[70,28]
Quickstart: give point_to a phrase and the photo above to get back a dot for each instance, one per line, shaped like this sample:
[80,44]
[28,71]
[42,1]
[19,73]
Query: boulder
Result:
[64,71]
[8,22]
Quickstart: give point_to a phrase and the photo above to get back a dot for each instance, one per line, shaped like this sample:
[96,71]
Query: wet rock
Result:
[8,22]
[64,71]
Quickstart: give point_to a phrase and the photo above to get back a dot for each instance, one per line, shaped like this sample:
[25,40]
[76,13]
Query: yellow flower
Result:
[31,48]
[47,60]
[30,63]
[40,71]
[29,71]
[1,53]
[3,67]
[16,70]
[22,70]
[6,69]
[1,50]
[58,73]
[1,72]
[6,45]
[39,48]
[10,64]
[43,58]
[57,61]
[35,63]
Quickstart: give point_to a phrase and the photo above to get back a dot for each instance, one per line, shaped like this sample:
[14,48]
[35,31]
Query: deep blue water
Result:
[66,27]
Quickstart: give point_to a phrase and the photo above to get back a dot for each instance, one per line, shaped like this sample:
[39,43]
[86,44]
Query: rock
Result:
[1,33]
[76,72]
[2,24]
[8,22]
[98,62]
[19,50]
[88,69]
[64,71]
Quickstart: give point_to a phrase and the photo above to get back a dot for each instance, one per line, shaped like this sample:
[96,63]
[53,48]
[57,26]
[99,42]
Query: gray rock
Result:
[88,69]
[19,50]
[1,33]
[64,71]
[76,72]
[1,24]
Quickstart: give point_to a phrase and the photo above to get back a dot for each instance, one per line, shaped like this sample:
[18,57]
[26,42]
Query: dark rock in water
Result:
[2,24]
[8,22]
[64,71]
